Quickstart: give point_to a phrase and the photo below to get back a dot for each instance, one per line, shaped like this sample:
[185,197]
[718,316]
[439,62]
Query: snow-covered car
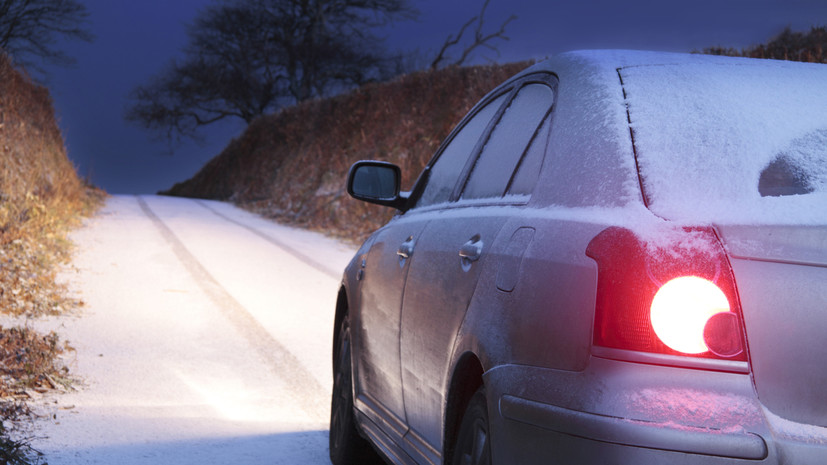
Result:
[615,258]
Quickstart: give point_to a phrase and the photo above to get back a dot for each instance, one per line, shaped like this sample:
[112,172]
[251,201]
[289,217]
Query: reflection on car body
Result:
[616,257]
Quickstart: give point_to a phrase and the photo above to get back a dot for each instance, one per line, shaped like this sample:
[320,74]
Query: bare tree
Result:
[480,39]
[249,57]
[30,30]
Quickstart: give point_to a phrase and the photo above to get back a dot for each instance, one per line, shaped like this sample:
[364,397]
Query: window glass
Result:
[799,169]
[508,142]
[449,165]
[529,169]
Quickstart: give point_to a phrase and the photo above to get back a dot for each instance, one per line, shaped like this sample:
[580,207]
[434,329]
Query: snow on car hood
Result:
[731,141]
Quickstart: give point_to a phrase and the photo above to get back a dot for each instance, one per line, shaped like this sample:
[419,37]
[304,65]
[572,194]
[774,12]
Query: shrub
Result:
[292,165]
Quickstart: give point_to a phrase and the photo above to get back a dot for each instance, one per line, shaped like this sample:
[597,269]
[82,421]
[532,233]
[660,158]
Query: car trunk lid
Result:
[781,273]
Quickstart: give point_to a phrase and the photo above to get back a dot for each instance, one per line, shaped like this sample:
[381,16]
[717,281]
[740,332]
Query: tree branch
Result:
[480,39]
[31,29]
[249,57]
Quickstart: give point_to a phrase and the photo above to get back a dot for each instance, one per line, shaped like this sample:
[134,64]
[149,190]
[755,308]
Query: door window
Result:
[510,143]
[528,170]
[448,167]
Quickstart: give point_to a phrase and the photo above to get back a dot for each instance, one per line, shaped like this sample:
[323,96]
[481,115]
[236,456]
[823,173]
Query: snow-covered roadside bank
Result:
[205,338]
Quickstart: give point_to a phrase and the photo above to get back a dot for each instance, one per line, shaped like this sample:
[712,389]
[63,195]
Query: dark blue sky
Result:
[134,40]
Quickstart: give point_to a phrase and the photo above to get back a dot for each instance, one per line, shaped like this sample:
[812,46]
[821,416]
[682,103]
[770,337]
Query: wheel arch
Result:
[465,380]
[341,312]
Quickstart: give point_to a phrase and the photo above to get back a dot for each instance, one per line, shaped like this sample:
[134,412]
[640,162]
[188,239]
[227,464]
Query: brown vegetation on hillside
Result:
[292,165]
[793,46]
[41,196]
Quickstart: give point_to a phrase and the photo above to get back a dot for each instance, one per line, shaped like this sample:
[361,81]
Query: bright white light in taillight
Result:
[681,309]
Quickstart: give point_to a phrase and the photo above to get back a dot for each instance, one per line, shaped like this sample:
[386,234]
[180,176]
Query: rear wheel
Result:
[473,446]
[346,445]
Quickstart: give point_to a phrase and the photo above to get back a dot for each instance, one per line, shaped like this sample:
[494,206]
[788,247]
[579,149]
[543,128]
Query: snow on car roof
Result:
[709,130]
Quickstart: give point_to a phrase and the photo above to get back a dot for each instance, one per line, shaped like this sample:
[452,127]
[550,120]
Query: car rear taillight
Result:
[673,297]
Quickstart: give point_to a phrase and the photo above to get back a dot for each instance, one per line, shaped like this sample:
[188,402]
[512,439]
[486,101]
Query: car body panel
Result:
[438,290]
[526,309]
[382,288]
[806,245]
[787,357]
[589,160]
[781,272]
[546,320]
[618,412]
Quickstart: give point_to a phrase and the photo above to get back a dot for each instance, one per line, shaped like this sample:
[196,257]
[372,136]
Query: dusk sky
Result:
[135,39]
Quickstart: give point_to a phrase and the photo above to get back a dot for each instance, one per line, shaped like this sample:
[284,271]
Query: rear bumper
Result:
[633,433]
[619,412]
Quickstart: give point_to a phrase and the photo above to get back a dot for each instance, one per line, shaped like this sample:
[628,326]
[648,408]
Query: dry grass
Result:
[292,165]
[29,362]
[41,198]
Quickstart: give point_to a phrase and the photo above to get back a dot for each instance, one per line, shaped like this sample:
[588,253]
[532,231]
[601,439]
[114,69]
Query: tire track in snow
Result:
[308,392]
[304,258]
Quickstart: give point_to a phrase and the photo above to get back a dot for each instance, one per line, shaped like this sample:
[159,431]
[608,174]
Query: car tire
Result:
[347,446]
[473,444]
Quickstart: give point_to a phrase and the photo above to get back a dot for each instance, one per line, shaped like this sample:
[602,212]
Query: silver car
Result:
[615,258]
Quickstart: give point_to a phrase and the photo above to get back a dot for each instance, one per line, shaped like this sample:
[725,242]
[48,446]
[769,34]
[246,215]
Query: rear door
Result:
[385,269]
[454,247]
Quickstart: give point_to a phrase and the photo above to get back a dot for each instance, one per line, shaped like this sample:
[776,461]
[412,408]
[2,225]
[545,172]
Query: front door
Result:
[385,268]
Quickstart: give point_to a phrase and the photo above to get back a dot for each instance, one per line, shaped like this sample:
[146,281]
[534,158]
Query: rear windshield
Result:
[731,143]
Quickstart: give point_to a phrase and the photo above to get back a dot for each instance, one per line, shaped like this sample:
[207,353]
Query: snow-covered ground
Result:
[205,339]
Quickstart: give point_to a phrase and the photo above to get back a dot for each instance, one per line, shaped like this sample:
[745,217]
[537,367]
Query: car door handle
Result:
[471,250]
[406,249]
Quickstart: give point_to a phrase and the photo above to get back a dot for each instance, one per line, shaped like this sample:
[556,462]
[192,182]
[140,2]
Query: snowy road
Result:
[205,339]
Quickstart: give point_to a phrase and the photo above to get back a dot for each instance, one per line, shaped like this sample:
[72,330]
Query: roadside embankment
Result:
[291,166]
[41,198]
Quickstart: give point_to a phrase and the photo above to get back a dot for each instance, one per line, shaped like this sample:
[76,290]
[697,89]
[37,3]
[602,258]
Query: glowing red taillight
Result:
[675,298]
[684,308]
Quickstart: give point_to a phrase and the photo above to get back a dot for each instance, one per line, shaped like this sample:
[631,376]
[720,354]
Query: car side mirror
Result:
[376,182]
